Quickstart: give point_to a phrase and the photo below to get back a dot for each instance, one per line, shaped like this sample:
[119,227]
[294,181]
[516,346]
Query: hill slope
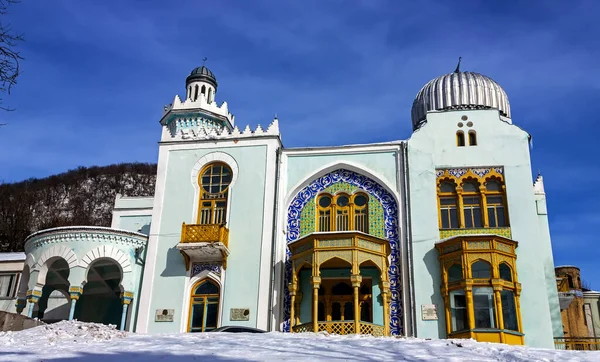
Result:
[83,196]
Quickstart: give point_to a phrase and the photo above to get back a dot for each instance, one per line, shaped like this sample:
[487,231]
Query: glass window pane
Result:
[211,315]
[207,288]
[447,187]
[342,200]
[492,217]
[481,269]
[509,310]
[494,200]
[468,218]
[360,200]
[471,200]
[477,220]
[483,305]
[454,273]
[458,310]
[325,201]
[197,317]
[501,219]
[448,201]
[453,218]
[493,186]
[505,272]
[445,214]
[470,187]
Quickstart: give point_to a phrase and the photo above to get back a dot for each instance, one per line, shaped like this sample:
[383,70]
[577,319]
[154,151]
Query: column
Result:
[20,305]
[316,282]
[74,293]
[356,280]
[498,308]
[127,297]
[470,306]
[293,286]
[385,298]
[33,296]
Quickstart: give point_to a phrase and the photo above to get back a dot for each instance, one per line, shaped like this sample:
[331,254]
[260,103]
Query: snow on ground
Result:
[77,341]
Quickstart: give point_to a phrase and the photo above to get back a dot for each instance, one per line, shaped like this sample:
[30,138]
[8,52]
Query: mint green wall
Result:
[301,166]
[499,144]
[245,235]
[306,289]
[138,223]
[593,299]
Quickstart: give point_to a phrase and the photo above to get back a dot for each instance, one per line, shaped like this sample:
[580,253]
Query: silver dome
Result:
[459,90]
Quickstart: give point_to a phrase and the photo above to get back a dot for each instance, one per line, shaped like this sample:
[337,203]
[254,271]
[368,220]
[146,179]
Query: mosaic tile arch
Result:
[391,233]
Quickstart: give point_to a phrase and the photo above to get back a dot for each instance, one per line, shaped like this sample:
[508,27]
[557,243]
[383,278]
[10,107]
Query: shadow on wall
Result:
[175,264]
[433,267]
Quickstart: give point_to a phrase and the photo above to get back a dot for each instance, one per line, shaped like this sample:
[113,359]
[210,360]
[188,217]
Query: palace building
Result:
[443,235]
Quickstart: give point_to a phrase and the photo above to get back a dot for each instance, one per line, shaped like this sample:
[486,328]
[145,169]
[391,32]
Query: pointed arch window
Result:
[448,205]
[204,307]
[460,138]
[471,201]
[196,92]
[203,91]
[214,182]
[343,212]
[495,200]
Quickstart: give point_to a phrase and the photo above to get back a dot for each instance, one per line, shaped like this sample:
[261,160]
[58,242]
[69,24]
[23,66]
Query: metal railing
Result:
[577,343]
[211,233]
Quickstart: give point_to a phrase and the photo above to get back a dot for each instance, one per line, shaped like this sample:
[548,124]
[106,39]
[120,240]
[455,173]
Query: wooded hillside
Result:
[83,196]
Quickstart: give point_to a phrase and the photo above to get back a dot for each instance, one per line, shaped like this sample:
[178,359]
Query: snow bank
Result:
[76,341]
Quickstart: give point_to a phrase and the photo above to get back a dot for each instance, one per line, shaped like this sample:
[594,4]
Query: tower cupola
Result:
[459,90]
[201,83]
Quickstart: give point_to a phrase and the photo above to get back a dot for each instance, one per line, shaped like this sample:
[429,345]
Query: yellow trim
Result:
[351,211]
[466,250]
[205,297]
[213,201]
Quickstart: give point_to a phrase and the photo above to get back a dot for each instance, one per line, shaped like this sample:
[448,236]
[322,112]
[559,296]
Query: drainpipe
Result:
[409,250]
[274,239]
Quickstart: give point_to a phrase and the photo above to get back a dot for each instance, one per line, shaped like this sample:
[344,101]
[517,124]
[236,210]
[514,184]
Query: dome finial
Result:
[204,60]
[457,70]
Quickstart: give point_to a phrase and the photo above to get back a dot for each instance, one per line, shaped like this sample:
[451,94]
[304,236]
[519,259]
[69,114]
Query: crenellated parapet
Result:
[200,103]
[197,130]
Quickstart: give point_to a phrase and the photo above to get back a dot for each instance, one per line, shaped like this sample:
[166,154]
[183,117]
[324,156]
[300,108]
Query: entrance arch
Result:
[389,203]
[53,305]
[100,301]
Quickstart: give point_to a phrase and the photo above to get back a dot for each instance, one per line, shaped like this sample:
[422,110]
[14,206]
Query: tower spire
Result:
[457,70]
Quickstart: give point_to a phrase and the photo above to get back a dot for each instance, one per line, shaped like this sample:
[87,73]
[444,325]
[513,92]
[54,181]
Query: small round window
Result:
[325,201]
[342,200]
[216,178]
[360,200]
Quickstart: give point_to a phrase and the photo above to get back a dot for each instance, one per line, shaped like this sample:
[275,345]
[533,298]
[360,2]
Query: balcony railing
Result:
[341,327]
[212,233]
[577,343]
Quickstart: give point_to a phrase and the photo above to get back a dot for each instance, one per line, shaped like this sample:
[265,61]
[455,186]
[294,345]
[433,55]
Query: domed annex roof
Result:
[459,90]
[202,73]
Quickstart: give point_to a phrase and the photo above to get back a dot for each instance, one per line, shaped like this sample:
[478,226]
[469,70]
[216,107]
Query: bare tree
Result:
[9,56]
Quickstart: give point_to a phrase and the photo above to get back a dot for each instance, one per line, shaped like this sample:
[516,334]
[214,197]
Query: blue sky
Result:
[97,74]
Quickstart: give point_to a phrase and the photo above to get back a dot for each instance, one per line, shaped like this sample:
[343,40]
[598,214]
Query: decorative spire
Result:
[457,70]
[204,60]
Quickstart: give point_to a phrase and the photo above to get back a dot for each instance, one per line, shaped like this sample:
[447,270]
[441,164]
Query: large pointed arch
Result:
[389,200]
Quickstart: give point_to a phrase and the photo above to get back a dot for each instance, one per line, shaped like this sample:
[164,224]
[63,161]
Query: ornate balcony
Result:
[204,243]
[341,327]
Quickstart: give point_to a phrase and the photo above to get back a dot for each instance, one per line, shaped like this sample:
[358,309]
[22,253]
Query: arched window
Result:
[448,205]
[454,273]
[343,212]
[196,92]
[189,93]
[203,91]
[505,272]
[460,138]
[204,306]
[214,183]
[471,205]
[472,138]
[570,280]
[496,211]
[481,270]
[210,95]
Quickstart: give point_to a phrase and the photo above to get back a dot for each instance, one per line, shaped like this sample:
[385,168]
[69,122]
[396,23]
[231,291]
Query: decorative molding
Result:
[61,251]
[211,266]
[88,235]
[390,208]
[196,129]
[107,251]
